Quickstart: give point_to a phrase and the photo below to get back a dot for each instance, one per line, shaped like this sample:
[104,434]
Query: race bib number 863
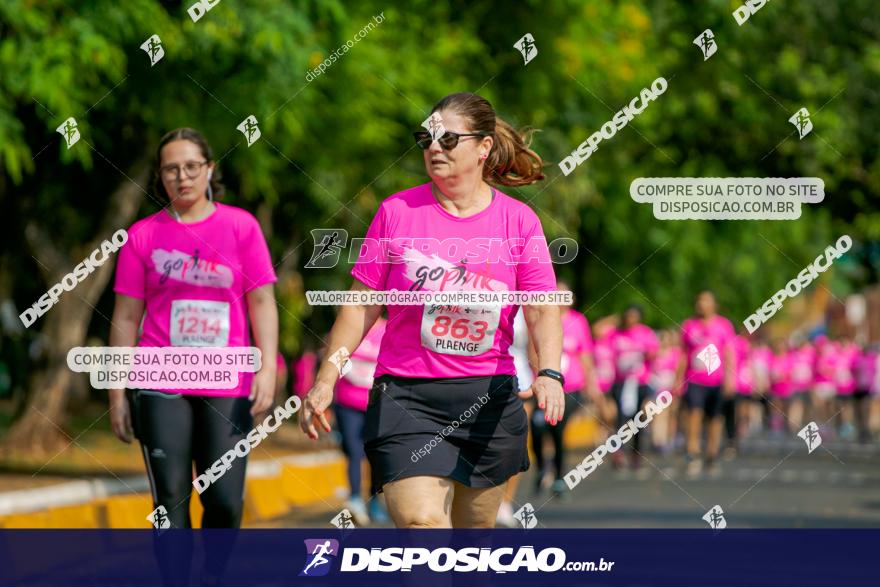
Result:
[459,330]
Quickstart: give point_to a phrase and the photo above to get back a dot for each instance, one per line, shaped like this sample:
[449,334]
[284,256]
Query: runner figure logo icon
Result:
[153,48]
[801,121]
[249,129]
[810,434]
[715,518]
[706,42]
[341,361]
[329,243]
[317,553]
[526,516]
[526,46]
[434,125]
[343,520]
[69,130]
[709,357]
[159,518]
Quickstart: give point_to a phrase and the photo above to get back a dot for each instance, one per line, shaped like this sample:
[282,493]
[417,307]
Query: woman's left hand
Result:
[548,392]
[262,391]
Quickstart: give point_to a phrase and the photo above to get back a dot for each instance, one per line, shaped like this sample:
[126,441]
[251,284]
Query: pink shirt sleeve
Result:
[535,271]
[258,269]
[131,271]
[373,272]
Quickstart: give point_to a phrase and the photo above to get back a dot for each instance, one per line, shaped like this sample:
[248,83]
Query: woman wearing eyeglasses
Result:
[445,425]
[197,273]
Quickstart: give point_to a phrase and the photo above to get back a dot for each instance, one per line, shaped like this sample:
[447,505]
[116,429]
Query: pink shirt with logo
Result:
[745,382]
[825,365]
[761,358]
[603,360]
[353,388]
[664,368]
[802,359]
[780,375]
[193,279]
[696,334]
[442,340]
[633,347]
[576,340]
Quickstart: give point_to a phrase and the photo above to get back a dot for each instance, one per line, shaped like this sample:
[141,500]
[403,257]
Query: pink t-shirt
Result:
[576,340]
[193,279]
[867,371]
[761,358]
[802,359]
[353,389]
[780,375]
[452,341]
[603,360]
[825,366]
[696,334]
[633,348]
[745,381]
[844,374]
[664,368]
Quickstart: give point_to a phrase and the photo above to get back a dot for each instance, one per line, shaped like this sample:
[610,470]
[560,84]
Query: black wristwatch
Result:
[553,374]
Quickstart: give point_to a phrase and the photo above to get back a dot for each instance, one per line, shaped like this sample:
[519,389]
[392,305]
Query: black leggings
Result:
[539,427]
[174,431]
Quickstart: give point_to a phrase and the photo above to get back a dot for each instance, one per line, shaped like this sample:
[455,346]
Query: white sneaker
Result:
[358,510]
[505,516]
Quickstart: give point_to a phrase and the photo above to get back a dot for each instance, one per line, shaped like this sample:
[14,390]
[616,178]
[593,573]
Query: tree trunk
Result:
[40,428]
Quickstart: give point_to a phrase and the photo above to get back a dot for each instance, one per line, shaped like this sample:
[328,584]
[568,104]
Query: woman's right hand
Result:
[316,402]
[120,416]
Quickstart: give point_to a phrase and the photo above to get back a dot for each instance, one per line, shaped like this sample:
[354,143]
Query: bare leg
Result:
[475,507]
[422,502]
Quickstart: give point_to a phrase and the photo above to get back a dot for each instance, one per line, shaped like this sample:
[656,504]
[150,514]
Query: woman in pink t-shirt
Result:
[867,374]
[707,369]
[802,358]
[663,369]
[635,346]
[580,384]
[603,360]
[445,423]
[824,376]
[194,273]
[845,383]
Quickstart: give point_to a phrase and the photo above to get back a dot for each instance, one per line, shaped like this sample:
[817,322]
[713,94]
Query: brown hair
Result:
[511,162]
[193,136]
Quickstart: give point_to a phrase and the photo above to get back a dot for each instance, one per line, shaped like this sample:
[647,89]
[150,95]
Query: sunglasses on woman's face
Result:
[448,141]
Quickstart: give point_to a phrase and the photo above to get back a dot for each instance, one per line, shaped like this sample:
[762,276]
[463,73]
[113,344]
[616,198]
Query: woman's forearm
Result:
[263,313]
[545,329]
[127,315]
[350,328]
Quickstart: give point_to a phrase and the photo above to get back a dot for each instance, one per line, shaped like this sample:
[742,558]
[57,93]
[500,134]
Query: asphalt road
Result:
[773,483]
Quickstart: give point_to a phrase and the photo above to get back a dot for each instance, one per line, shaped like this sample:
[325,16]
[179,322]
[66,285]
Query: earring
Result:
[483,157]
[210,192]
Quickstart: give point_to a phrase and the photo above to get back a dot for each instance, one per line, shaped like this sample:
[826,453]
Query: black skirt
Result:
[472,429]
